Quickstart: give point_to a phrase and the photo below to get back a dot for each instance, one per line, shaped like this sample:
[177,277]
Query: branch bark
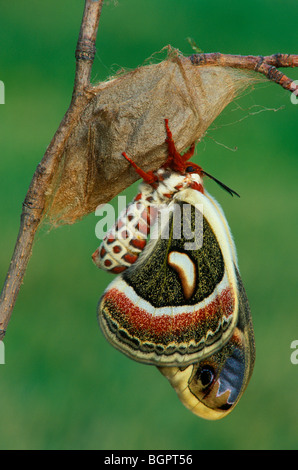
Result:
[267,65]
[34,203]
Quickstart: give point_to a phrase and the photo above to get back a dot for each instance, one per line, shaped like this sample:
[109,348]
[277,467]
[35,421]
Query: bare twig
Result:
[34,204]
[267,65]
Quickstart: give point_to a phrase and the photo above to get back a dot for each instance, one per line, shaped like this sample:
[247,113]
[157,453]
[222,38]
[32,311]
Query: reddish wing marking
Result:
[139,319]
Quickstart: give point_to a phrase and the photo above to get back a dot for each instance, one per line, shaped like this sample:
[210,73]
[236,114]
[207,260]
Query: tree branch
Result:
[267,65]
[35,201]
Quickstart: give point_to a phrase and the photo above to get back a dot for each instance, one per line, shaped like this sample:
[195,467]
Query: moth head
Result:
[192,168]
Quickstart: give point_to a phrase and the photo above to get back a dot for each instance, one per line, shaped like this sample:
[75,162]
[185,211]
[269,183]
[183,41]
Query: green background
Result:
[63,386]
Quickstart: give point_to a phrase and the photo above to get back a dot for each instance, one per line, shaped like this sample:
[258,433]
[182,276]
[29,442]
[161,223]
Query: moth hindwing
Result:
[178,303]
[211,388]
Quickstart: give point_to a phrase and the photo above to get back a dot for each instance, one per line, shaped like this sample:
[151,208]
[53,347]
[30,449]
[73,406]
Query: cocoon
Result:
[126,113]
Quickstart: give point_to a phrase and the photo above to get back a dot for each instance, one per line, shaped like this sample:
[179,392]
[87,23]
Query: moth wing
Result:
[179,302]
[211,388]
[221,215]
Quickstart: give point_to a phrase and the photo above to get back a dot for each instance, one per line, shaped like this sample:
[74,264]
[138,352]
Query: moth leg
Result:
[149,177]
[175,160]
[187,155]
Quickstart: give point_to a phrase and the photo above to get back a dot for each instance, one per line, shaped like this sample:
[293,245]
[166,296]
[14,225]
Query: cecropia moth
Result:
[178,301]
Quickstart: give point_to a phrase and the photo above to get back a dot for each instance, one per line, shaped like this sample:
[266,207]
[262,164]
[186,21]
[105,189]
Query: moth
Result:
[178,301]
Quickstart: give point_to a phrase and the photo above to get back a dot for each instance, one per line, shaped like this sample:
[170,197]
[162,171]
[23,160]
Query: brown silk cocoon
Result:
[127,114]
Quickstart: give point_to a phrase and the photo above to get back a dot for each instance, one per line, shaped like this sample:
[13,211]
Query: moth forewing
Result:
[224,221]
[175,306]
[214,215]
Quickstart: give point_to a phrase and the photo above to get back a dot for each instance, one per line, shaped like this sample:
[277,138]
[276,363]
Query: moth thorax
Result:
[191,178]
[146,190]
[174,182]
